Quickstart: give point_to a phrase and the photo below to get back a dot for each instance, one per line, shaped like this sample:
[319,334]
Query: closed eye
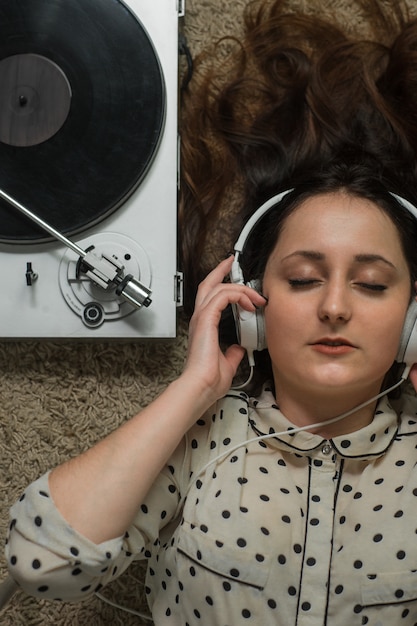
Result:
[302,282]
[372,286]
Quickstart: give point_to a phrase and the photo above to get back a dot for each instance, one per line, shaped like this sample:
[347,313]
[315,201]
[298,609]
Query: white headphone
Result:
[250,326]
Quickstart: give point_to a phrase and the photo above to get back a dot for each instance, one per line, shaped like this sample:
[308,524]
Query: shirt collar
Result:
[368,442]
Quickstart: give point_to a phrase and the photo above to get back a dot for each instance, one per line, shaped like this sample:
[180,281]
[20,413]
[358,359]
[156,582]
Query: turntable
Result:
[88,169]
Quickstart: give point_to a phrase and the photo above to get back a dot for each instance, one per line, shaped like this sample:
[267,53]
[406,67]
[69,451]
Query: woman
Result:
[318,524]
[303,526]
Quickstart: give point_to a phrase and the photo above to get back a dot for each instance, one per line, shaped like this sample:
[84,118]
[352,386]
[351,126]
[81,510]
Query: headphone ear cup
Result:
[407,351]
[250,325]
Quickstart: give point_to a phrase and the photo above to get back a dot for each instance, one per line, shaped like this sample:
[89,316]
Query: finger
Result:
[234,355]
[220,297]
[214,278]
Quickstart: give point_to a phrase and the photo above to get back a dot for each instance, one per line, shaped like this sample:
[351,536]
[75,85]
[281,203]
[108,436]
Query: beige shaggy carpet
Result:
[57,399]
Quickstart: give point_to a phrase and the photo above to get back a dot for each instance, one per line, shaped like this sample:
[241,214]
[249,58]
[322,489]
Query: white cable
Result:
[247,381]
[292,431]
[124,608]
[297,429]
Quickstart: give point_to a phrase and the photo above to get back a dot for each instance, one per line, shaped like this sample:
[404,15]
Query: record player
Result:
[88,169]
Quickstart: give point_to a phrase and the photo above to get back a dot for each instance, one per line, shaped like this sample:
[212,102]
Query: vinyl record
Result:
[82,108]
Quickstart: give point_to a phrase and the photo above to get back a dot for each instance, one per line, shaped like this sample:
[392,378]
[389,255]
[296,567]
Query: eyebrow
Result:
[359,258]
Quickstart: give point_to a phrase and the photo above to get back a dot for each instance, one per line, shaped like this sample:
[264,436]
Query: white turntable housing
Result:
[141,235]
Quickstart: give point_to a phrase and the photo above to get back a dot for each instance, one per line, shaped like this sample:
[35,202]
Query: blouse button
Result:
[326,449]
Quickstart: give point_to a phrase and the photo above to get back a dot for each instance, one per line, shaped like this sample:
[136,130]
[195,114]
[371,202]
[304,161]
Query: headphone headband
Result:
[254,219]
[275,200]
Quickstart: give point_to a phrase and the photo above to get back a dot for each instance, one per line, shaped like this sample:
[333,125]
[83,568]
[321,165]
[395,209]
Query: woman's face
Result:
[338,286]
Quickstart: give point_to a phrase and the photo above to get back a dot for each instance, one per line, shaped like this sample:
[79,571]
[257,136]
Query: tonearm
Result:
[104,270]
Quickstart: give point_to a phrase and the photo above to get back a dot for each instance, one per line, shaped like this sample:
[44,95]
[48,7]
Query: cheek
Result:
[387,329]
[283,324]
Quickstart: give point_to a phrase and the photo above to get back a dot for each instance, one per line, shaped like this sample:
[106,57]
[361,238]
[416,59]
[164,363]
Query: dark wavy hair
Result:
[295,98]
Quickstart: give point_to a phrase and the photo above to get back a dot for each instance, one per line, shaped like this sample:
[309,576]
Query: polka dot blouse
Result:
[292,530]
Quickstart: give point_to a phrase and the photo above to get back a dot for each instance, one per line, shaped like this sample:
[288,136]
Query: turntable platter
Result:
[82,108]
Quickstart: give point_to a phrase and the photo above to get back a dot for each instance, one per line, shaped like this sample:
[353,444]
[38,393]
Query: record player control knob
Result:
[93,315]
[31,276]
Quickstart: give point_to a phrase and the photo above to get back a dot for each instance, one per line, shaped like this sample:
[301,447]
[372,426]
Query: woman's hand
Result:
[100,491]
[206,364]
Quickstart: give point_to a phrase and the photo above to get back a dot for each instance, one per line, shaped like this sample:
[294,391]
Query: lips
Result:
[333,341]
[333,346]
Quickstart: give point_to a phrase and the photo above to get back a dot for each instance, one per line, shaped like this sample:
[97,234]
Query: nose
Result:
[335,305]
